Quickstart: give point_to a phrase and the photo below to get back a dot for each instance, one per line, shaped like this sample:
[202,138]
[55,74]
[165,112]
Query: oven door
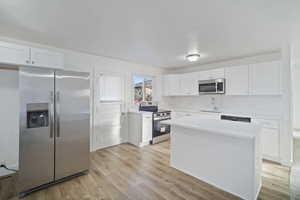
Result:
[160,129]
[207,87]
[216,86]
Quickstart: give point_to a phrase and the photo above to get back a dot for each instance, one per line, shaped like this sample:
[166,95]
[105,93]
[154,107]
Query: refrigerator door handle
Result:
[57,114]
[51,114]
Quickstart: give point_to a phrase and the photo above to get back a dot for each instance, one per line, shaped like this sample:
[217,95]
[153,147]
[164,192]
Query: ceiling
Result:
[154,32]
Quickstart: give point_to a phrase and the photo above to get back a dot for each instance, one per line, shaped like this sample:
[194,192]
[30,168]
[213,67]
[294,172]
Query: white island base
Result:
[230,162]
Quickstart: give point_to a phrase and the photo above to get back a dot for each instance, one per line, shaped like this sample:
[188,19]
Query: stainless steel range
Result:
[161,132]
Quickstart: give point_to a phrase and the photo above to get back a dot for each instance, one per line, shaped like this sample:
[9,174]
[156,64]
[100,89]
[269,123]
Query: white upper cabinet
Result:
[265,78]
[27,56]
[255,79]
[237,80]
[110,88]
[46,58]
[172,85]
[165,85]
[189,84]
[14,54]
[212,74]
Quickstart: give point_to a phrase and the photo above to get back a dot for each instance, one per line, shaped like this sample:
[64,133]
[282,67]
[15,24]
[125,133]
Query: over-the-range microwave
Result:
[213,86]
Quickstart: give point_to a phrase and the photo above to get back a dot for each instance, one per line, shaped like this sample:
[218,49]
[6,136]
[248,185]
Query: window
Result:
[142,88]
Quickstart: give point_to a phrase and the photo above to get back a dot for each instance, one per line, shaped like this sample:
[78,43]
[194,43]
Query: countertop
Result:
[5,173]
[229,128]
[230,112]
[140,112]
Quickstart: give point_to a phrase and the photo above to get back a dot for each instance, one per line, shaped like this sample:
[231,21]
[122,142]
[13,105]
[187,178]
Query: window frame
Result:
[132,87]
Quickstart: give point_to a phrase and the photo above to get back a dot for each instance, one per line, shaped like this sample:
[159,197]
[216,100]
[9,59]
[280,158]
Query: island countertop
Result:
[229,128]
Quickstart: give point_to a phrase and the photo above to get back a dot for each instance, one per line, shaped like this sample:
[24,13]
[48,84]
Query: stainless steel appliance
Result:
[161,132]
[213,86]
[236,118]
[54,126]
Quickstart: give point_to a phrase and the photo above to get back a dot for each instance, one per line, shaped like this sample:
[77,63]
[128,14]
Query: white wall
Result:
[296,83]
[9,118]
[296,95]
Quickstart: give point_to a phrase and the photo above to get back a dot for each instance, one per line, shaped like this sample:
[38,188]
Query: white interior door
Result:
[109,121]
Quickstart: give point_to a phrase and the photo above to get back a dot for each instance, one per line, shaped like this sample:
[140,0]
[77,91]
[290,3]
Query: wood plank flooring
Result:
[126,172]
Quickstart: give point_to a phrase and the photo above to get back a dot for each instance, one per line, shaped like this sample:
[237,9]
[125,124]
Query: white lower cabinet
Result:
[146,129]
[140,128]
[270,139]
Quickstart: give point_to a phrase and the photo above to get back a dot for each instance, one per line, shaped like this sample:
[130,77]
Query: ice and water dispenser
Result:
[37,115]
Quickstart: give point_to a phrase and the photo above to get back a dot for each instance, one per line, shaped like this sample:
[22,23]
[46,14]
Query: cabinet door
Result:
[173,85]
[204,75]
[217,73]
[265,78]
[189,84]
[270,144]
[135,128]
[14,54]
[110,87]
[165,86]
[237,80]
[212,74]
[147,128]
[46,58]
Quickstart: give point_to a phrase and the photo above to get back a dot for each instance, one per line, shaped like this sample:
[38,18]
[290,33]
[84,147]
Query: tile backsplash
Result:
[259,105]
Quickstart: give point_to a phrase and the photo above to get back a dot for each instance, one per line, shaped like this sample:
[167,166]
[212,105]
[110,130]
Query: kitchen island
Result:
[225,154]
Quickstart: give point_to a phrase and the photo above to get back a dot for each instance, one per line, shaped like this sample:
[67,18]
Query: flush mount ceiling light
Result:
[193,57]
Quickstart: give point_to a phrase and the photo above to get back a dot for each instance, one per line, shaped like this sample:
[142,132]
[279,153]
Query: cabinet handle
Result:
[32,62]
[57,114]
[27,61]
[51,114]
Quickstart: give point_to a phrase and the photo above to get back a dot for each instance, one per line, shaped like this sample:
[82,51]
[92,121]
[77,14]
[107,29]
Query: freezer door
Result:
[72,123]
[36,127]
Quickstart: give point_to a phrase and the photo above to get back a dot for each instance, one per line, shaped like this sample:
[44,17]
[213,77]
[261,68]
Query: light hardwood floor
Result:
[126,172]
[295,170]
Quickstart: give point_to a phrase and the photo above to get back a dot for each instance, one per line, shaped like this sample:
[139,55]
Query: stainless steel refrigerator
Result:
[54,126]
